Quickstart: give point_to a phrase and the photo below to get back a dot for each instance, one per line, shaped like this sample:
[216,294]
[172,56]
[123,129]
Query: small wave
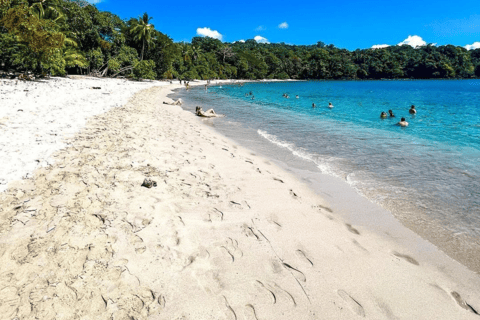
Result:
[275,140]
[298,152]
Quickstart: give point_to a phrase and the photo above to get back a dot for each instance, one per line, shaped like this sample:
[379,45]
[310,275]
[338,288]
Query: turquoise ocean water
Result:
[430,168]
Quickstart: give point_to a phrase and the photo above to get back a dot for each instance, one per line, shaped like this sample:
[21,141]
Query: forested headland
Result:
[60,37]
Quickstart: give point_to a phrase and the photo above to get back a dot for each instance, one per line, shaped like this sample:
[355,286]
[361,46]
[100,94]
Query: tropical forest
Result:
[60,37]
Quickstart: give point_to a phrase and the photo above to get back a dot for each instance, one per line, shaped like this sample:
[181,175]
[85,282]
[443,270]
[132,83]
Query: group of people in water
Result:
[250,94]
[383,115]
[403,122]
[286,96]
[330,105]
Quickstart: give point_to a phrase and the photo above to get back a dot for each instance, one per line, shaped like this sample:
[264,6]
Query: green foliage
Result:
[141,29]
[163,51]
[95,58]
[4,6]
[114,64]
[74,58]
[51,35]
[144,70]
[127,56]
[34,44]
[9,45]
[40,35]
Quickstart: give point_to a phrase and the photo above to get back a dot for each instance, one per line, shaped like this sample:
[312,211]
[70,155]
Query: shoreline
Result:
[459,247]
[225,234]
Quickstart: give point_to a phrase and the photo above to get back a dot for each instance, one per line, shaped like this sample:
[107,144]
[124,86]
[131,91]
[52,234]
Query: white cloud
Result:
[94,1]
[283,25]
[380,46]
[261,39]
[473,46]
[413,41]
[207,32]
[260,28]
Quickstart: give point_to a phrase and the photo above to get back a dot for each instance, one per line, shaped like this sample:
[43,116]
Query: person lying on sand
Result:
[178,102]
[210,113]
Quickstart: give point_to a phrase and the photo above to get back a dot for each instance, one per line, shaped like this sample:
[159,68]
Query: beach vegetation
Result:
[144,70]
[60,37]
[141,30]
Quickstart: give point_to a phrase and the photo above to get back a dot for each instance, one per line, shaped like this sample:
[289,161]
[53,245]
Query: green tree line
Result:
[58,37]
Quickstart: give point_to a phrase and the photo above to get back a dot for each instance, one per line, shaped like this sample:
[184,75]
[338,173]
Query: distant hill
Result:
[81,3]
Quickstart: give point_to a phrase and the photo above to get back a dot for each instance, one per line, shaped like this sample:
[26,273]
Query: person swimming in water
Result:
[313,105]
[383,115]
[297,96]
[330,105]
[390,112]
[412,110]
[403,123]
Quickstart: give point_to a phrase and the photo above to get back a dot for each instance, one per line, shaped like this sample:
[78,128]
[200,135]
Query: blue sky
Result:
[344,23]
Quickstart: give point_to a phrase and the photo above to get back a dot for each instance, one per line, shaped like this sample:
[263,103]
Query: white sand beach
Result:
[224,234]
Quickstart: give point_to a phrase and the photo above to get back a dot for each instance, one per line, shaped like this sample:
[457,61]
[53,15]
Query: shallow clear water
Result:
[430,167]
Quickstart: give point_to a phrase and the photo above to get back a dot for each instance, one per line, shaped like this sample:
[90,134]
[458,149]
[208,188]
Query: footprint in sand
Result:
[351,303]
[250,312]
[320,207]
[462,303]
[299,275]
[406,258]
[303,256]
[230,308]
[352,229]
[286,293]
[260,284]
[293,194]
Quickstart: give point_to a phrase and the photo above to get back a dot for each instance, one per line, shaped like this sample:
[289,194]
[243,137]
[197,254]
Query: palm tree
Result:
[142,30]
[186,51]
[196,52]
[72,56]
[51,12]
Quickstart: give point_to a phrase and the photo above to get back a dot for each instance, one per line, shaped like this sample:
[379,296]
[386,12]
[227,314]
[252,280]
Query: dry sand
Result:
[225,234]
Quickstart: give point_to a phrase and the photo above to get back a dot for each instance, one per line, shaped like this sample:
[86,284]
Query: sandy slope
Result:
[224,235]
[36,116]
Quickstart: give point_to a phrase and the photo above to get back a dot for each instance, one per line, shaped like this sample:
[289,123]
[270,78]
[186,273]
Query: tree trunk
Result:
[143,47]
